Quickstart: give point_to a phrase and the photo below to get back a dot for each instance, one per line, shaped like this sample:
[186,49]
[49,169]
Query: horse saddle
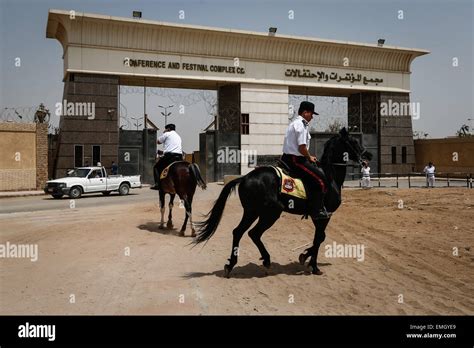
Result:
[165,171]
[289,185]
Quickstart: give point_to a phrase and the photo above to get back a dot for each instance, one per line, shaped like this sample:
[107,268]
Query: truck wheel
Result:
[124,189]
[106,193]
[75,192]
[57,196]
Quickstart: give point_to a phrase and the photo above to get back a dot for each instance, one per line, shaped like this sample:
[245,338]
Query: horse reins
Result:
[351,148]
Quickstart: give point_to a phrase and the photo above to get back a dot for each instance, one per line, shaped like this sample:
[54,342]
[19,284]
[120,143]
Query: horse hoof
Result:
[181,233]
[302,259]
[317,271]
[169,226]
[161,227]
[267,264]
[227,271]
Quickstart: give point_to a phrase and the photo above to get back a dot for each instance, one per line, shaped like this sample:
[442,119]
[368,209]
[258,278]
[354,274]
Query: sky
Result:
[445,28]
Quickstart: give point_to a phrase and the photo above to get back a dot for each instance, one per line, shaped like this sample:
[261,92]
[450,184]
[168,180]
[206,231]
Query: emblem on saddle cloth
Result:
[165,171]
[291,186]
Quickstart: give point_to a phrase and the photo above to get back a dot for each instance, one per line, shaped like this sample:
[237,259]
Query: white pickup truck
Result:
[91,180]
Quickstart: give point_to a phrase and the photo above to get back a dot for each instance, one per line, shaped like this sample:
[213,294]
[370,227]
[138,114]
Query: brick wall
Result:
[397,132]
[102,129]
[448,155]
[41,155]
[23,156]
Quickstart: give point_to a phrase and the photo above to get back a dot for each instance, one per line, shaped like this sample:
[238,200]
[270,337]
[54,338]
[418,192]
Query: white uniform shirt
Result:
[297,134]
[365,172]
[171,142]
[430,172]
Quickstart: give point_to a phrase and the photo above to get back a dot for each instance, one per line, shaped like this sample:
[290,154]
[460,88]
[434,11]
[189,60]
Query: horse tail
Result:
[209,226]
[194,168]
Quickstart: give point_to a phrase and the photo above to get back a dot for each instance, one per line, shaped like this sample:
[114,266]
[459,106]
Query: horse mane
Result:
[328,147]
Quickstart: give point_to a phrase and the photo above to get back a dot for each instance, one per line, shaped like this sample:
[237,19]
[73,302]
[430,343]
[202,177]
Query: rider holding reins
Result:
[296,155]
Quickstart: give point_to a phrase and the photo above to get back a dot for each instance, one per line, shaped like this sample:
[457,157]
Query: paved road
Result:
[38,203]
[44,202]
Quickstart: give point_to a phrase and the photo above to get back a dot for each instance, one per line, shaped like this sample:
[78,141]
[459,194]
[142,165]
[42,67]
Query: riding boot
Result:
[156,186]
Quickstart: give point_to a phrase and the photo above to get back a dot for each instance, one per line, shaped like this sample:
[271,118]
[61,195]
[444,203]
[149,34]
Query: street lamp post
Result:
[166,113]
[136,121]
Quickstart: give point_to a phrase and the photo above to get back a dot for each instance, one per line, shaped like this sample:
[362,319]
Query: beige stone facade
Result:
[99,44]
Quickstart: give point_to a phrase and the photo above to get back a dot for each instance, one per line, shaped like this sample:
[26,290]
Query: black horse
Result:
[259,193]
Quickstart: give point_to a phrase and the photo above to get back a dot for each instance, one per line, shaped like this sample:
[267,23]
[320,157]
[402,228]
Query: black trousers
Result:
[165,161]
[313,177]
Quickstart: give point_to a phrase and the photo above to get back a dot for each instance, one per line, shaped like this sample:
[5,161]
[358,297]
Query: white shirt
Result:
[171,142]
[429,171]
[365,172]
[297,134]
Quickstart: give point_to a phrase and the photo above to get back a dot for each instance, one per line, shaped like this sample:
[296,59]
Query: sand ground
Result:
[417,260]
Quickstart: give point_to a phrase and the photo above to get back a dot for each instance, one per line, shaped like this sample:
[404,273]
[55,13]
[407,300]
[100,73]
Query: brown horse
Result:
[182,179]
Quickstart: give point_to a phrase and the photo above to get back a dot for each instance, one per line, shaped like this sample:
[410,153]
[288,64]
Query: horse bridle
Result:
[360,154]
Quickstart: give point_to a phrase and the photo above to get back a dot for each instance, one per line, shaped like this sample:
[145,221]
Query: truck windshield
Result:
[78,172]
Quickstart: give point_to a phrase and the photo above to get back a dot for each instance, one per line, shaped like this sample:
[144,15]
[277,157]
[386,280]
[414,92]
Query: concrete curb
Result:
[21,194]
[12,194]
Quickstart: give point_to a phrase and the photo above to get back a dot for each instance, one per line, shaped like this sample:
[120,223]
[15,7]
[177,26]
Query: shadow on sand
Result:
[155,228]
[252,270]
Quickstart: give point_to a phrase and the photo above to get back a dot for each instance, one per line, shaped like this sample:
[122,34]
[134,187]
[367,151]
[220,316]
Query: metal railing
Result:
[378,179]
[412,180]
[454,179]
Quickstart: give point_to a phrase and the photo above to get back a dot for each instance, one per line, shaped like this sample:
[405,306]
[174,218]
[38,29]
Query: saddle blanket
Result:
[291,186]
[165,171]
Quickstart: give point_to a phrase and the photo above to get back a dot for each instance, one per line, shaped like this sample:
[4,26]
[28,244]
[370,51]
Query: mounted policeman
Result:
[172,152]
[296,155]
[180,178]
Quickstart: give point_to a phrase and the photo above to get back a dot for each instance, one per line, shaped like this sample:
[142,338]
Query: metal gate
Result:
[129,160]
[137,153]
